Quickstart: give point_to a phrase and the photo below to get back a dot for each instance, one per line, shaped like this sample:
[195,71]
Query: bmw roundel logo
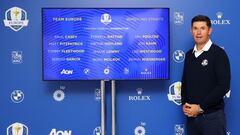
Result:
[97,131]
[86,71]
[178,56]
[17,96]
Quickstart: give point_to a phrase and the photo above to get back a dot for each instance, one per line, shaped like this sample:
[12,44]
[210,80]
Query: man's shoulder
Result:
[189,52]
[218,52]
[217,49]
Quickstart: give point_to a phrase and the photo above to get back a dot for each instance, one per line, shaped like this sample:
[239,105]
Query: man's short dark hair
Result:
[202,18]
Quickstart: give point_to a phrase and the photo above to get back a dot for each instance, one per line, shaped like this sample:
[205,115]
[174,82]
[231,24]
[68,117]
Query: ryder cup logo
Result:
[17,129]
[178,17]
[175,93]
[17,57]
[17,96]
[179,129]
[15,18]
[178,56]
[205,62]
[106,19]
[220,20]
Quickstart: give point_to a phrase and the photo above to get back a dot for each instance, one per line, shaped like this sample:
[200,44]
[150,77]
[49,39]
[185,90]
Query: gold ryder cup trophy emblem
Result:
[15,18]
[17,129]
[174,94]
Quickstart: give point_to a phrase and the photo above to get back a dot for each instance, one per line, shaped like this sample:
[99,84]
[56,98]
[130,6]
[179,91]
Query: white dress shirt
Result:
[205,48]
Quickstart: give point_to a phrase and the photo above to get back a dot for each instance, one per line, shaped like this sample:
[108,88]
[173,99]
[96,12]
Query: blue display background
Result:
[80,109]
[90,26]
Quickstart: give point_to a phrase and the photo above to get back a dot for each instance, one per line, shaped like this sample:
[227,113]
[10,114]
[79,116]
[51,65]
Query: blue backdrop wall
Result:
[148,107]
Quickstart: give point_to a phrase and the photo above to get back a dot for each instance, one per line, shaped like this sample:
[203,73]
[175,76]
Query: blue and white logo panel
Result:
[17,129]
[174,94]
[15,18]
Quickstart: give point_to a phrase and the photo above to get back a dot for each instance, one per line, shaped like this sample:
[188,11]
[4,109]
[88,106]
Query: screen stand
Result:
[113,108]
[103,113]
[103,120]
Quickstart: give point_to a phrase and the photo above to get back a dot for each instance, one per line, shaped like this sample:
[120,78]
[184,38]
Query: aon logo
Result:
[66,72]
[60,132]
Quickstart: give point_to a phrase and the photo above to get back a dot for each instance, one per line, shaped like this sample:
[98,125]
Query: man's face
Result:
[201,32]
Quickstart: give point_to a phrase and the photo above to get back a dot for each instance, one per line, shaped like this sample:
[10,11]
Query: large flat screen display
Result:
[105,43]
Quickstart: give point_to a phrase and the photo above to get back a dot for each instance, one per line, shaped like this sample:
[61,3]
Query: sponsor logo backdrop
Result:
[30,106]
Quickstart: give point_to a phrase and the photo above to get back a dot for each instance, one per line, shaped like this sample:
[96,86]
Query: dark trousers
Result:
[207,124]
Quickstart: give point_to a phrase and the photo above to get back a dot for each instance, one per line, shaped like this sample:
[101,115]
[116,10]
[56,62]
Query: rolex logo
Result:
[219,15]
[139,91]
[139,96]
[220,20]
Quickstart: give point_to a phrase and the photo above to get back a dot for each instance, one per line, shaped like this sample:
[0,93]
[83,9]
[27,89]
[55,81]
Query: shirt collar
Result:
[205,48]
